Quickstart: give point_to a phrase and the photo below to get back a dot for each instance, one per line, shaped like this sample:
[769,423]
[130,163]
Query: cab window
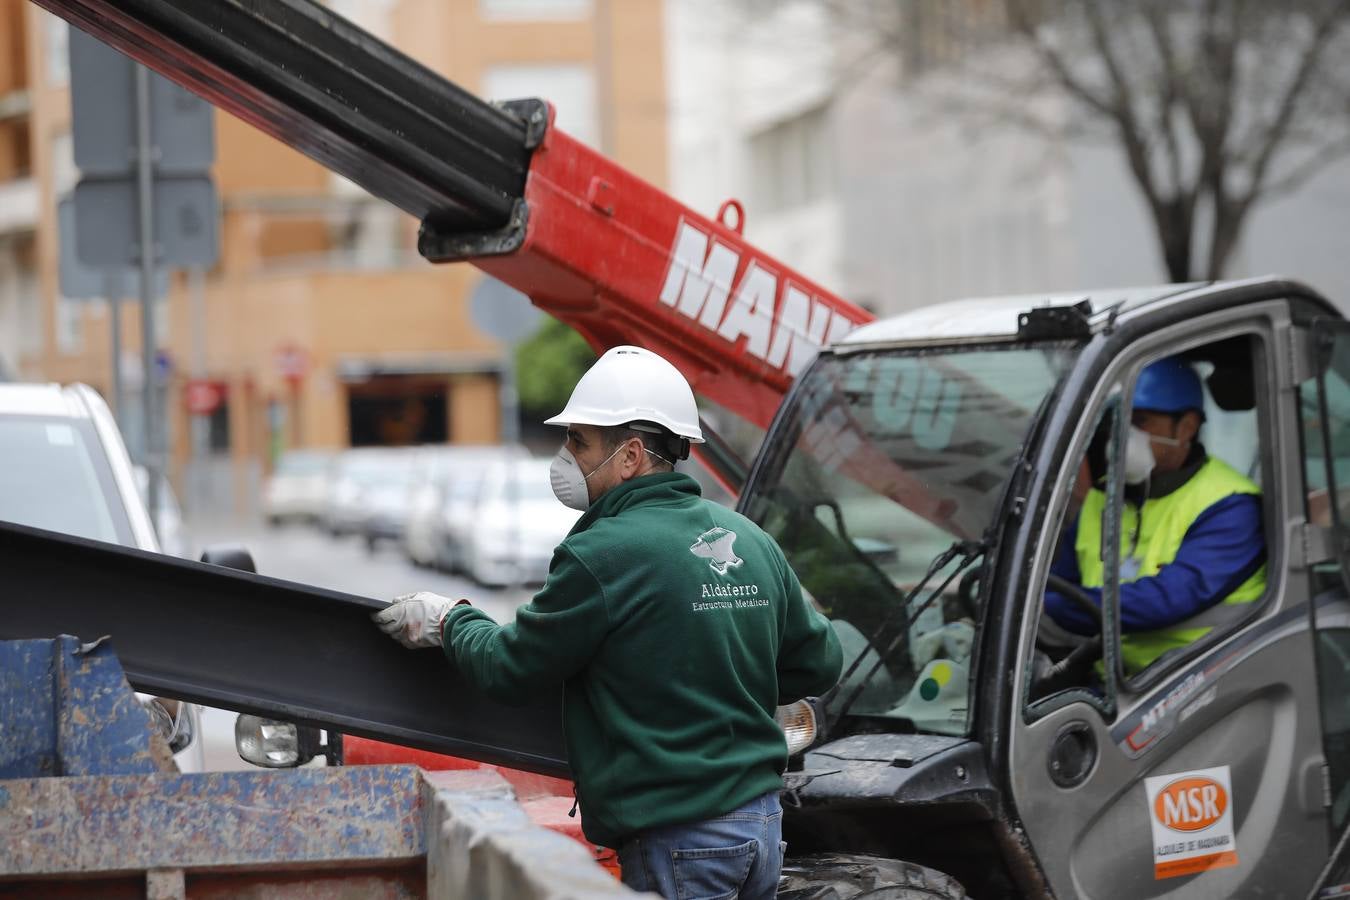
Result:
[1324,403]
[1172,477]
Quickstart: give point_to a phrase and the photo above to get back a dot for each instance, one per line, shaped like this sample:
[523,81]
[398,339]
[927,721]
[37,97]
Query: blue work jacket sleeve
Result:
[1223,548]
[552,638]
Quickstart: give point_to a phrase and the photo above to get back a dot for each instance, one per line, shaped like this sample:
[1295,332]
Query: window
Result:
[1172,476]
[218,428]
[53,457]
[791,163]
[30,313]
[570,88]
[887,471]
[551,10]
[1325,407]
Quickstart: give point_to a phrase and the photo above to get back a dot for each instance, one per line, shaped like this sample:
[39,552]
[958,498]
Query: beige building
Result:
[316,279]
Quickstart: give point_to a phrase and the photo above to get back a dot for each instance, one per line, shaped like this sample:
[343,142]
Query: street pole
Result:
[510,401]
[114,291]
[146,213]
[200,425]
[510,437]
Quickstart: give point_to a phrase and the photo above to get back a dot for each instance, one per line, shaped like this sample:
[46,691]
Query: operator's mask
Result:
[1139,459]
[569,485]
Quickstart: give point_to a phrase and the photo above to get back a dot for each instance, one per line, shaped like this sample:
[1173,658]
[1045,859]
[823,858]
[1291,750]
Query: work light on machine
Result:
[798,721]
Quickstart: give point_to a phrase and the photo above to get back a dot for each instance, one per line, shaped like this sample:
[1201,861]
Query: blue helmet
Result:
[1169,385]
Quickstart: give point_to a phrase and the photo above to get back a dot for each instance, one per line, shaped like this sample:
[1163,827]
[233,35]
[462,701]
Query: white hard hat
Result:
[630,384]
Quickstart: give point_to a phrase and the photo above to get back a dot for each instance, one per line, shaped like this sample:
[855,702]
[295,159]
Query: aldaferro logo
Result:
[1191,817]
[786,335]
[716,546]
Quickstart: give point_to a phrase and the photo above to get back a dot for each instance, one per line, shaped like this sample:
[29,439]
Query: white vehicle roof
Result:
[993,317]
[81,402]
[43,400]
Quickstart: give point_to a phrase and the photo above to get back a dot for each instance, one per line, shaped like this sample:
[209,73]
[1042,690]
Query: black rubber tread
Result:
[840,876]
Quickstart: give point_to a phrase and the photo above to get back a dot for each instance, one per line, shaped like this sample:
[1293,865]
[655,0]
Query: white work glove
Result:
[414,620]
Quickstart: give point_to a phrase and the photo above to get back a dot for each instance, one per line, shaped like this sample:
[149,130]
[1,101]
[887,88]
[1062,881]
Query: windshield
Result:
[56,477]
[886,460]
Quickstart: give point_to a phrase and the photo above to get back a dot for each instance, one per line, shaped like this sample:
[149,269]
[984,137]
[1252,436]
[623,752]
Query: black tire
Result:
[840,876]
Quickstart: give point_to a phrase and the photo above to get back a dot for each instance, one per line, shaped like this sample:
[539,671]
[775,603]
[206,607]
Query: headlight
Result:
[267,742]
[798,721]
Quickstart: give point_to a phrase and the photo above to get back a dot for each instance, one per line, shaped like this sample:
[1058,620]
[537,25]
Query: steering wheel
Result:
[1079,597]
[1057,675]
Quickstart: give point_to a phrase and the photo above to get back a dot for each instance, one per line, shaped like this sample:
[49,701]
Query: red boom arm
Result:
[623,262]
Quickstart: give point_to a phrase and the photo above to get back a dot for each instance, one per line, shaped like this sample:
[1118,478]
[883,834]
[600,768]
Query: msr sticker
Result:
[1192,818]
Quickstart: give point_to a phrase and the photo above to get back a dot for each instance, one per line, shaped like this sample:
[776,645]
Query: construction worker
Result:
[675,626]
[1193,554]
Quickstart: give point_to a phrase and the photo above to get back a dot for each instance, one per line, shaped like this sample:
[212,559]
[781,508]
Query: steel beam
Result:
[245,642]
[311,79]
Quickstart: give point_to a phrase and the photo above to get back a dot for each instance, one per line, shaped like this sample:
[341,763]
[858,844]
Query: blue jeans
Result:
[739,854]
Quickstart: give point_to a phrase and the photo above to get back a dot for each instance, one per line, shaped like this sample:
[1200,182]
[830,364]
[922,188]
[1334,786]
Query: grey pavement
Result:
[306,555]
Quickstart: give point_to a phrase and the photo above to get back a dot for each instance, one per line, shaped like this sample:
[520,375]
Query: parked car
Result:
[515,525]
[297,489]
[446,476]
[431,475]
[173,538]
[368,486]
[456,516]
[66,469]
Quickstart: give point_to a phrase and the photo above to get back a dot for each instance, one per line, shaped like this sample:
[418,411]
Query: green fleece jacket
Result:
[676,627]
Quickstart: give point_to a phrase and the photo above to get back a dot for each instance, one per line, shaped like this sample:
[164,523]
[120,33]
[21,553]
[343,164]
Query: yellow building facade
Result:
[319,326]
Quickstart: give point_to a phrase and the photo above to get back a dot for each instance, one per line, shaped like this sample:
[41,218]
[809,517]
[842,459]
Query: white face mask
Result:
[569,485]
[1139,459]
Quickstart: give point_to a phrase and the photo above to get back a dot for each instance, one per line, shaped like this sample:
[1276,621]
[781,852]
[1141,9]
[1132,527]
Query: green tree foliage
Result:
[548,365]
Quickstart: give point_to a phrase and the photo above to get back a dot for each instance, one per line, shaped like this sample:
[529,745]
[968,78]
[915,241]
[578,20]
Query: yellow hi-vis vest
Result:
[1162,524]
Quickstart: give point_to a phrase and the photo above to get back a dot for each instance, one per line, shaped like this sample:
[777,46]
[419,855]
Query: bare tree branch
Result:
[1224,103]
[1169,90]
[1298,176]
[1075,88]
[1323,32]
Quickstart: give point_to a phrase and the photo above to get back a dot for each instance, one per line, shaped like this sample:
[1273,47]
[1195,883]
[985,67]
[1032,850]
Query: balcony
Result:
[15,104]
[19,206]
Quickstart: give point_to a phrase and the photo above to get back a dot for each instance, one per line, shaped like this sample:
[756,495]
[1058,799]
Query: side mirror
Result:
[277,744]
[231,556]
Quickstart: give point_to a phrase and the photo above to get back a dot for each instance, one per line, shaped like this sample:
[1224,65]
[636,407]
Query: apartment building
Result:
[850,165]
[320,326]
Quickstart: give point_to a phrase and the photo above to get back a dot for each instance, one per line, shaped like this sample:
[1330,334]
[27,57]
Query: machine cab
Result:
[935,478]
[1191,756]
